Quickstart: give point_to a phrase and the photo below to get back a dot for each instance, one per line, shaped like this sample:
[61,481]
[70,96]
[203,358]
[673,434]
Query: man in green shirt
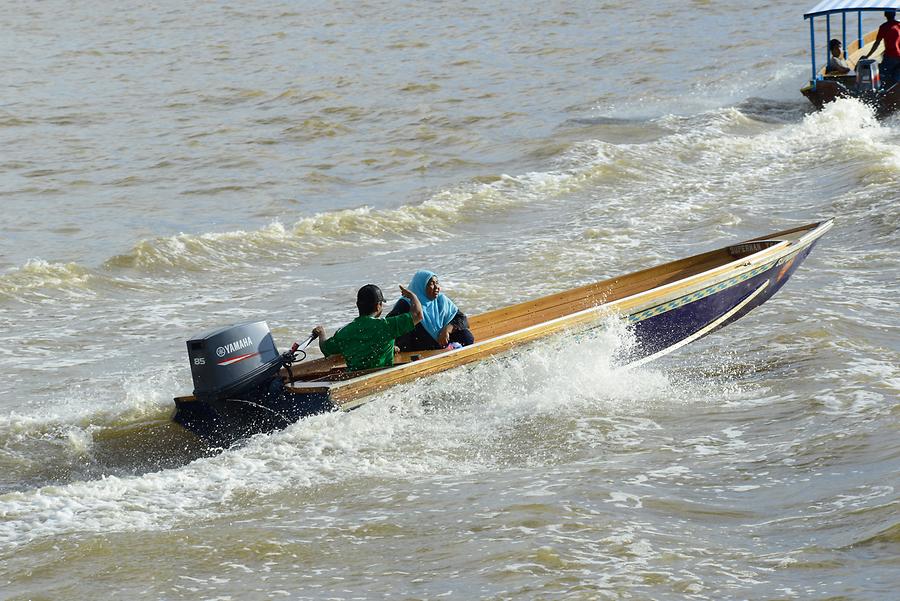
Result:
[368,341]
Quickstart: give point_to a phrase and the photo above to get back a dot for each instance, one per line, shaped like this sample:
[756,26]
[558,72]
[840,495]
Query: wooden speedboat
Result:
[666,306]
[824,87]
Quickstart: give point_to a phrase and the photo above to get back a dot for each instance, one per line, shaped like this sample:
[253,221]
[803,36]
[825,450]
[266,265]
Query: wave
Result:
[887,536]
[39,281]
[37,275]
[436,216]
[38,453]
[701,159]
[714,159]
[79,434]
[699,162]
[204,251]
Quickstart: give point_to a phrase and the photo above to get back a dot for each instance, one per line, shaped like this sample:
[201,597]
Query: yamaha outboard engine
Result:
[233,360]
[867,77]
[236,376]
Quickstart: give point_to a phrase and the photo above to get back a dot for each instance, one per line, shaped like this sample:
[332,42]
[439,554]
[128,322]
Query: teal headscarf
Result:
[437,312]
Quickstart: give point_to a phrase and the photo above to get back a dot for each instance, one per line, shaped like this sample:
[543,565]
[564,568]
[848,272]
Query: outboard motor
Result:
[238,388]
[236,372]
[867,77]
[233,361]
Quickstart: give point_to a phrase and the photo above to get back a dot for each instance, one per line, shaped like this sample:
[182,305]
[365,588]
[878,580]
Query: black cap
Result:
[367,297]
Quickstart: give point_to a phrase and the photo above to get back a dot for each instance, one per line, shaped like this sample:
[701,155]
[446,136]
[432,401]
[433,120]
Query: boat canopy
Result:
[827,7]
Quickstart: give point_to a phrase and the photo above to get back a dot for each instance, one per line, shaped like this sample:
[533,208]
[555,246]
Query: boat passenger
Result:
[837,65]
[443,324]
[368,341]
[889,33]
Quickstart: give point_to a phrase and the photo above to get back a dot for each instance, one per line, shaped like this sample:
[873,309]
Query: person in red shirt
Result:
[889,33]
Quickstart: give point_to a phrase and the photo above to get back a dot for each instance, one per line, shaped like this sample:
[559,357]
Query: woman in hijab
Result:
[442,324]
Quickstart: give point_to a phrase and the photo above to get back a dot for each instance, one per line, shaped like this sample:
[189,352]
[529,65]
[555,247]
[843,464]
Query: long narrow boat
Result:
[666,306]
[863,84]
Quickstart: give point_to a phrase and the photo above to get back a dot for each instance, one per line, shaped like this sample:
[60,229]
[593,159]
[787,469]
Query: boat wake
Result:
[774,111]
[36,455]
[519,409]
[65,445]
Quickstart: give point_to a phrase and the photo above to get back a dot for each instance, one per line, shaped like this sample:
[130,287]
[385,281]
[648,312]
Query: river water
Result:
[172,167]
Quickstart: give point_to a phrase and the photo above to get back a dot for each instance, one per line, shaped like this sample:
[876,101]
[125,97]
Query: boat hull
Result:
[665,328]
[884,102]
[222,422]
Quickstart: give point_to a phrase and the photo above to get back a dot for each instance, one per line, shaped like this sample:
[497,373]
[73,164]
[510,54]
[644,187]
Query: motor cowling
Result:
[233,360]
[867,76]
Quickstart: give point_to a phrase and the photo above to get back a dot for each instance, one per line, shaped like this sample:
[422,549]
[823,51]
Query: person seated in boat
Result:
[442,323]
[837,65]
[368,341]
[889,33]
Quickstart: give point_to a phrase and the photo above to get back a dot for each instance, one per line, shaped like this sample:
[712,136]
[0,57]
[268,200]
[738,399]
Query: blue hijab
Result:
[437,312]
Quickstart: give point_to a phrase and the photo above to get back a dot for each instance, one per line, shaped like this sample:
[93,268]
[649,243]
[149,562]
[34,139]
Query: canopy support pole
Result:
[827,42]
[844,33]
[812,47]
[859,31]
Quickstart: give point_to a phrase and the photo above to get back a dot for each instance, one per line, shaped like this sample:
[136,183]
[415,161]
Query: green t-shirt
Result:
[368,342]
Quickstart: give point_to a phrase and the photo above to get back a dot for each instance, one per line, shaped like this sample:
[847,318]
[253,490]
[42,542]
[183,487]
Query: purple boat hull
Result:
[701,313]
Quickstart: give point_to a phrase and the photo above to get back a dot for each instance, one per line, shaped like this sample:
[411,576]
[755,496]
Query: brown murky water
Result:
[174,168]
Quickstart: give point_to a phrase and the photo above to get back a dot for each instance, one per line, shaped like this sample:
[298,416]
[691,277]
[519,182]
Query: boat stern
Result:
[223,421]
